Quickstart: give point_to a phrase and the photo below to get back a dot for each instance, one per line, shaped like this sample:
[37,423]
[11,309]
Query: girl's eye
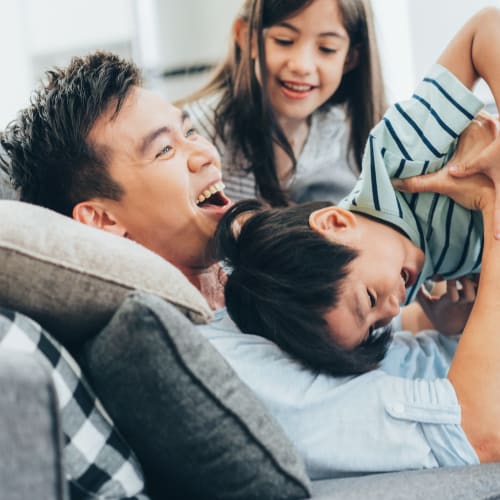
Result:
[327,50]
[191,131]
[164,151]
[373,300]
[283,41]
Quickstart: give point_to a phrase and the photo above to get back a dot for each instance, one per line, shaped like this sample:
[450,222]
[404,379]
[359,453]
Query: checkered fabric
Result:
[98,463]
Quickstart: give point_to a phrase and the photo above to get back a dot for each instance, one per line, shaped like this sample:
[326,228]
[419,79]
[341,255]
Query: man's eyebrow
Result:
[149,138]
[291,27]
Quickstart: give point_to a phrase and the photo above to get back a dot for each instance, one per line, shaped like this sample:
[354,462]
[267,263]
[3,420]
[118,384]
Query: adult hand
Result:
[449,311]
[473,192]
[478,151]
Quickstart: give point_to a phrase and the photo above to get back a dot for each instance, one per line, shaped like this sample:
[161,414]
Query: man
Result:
[97,146]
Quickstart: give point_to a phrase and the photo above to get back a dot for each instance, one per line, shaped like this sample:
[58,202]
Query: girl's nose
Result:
[301,61]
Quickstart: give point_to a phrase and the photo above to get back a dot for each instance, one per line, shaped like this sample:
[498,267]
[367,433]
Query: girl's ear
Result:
[240,33]
[333,222]
[352,59]
[92,213]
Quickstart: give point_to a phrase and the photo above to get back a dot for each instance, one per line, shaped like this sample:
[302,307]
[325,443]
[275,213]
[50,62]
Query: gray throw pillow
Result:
[197,430]
[71,278]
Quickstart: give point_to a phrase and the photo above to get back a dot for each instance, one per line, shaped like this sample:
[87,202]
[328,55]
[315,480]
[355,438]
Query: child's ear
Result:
[352,59]
[240,33]
[92,213]
[333,222]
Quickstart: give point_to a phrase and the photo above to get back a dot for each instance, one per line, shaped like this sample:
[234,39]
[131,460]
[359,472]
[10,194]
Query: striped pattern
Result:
[325,168]
[415,137]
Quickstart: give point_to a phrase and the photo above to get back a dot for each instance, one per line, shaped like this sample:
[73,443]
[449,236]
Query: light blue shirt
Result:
[404,415]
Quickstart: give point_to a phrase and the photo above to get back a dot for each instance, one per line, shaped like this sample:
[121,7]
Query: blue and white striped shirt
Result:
[419,136]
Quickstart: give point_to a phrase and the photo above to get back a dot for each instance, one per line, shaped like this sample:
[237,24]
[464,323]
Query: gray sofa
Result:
[197,430]
[32,440]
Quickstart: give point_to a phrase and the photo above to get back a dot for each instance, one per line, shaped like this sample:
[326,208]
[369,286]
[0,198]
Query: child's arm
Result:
[473,53]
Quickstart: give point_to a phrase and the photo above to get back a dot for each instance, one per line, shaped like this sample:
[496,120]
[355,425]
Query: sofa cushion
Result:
[97,461]
[197,430]
[71,278]
[31,438]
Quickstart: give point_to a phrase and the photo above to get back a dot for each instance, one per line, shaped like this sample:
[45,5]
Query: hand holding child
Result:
[478,152]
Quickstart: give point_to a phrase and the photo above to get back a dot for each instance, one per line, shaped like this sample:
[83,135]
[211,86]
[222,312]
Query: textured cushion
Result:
[71,278]
[30,437]
[197,430]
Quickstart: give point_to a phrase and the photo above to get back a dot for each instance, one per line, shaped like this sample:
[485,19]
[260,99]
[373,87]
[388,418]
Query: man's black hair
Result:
[48,153]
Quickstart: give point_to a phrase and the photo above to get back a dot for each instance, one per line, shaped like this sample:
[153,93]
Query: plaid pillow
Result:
[98,463]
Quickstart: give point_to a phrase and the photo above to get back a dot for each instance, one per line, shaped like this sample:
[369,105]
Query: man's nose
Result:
[202,155]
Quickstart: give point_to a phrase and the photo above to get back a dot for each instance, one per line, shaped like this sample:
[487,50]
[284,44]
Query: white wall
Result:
[412,34]
[164,34]
[35,34]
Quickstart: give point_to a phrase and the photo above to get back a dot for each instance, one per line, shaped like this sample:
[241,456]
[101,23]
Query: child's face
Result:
[306,56]
[372,292]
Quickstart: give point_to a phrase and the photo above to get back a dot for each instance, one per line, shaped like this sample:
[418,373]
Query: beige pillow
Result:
[71,278]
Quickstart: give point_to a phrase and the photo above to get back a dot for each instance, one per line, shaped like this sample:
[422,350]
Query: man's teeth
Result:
[215,188]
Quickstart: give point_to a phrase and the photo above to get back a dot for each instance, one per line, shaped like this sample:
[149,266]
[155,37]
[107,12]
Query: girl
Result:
[291,107]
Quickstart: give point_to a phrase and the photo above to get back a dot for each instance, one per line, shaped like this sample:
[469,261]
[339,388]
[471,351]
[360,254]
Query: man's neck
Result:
[210,282]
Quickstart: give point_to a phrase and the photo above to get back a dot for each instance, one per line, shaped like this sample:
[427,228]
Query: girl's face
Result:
[306,58]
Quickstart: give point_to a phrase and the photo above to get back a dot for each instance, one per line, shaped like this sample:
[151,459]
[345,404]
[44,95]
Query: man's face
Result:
[167,172]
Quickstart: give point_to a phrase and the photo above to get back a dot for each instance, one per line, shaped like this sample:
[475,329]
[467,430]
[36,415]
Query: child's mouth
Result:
[296,90]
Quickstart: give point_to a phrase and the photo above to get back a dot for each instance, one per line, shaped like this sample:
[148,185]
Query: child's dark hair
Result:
[244,117]
[284,276]
[48,153]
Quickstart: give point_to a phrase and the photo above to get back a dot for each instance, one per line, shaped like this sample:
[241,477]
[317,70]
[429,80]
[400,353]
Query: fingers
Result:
[461,290]
[469,287]
[460,170]
[421,184]
[452,290]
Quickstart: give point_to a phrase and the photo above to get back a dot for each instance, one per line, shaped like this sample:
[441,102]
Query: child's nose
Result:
[301,60]
[391,309]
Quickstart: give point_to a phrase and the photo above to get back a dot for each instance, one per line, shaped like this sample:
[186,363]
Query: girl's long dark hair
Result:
[244,117]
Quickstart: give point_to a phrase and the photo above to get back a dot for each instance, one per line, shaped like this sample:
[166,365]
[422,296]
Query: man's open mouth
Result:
[213,195]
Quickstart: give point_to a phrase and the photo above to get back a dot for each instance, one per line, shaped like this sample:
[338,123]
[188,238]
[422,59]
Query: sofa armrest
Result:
[30,435]
[447,483]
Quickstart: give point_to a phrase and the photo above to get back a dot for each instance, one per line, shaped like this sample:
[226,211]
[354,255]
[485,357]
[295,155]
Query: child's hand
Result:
[478,151]
[448,312]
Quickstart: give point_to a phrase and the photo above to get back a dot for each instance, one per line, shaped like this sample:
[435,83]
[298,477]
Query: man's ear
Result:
[332,222]
[96,215]
[240,33]
[352,59]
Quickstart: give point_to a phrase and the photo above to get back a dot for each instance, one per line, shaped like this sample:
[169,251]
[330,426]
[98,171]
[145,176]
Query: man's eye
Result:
[164,151]
[373,300]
